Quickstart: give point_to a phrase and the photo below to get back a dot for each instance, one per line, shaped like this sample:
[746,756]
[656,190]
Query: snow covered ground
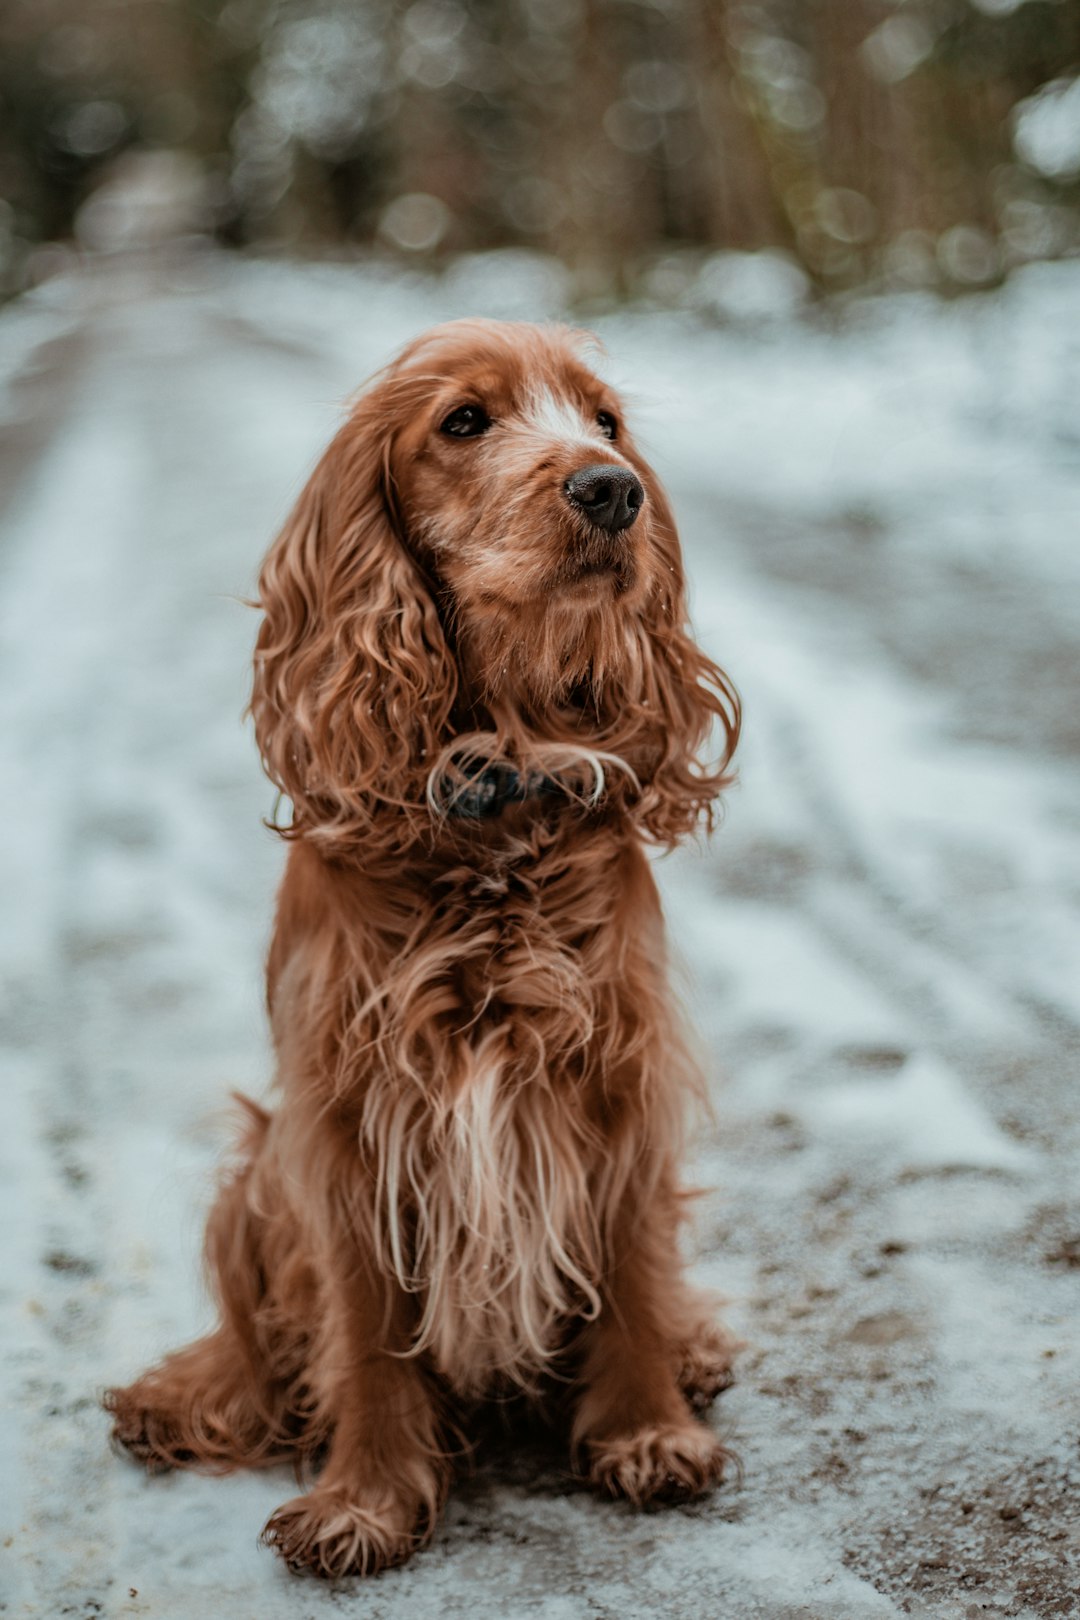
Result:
[882,945]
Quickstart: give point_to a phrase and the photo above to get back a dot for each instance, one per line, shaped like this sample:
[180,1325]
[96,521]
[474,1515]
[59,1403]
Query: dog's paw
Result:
[331,1532]
[706,1364]
[663,1463]
[146,1433]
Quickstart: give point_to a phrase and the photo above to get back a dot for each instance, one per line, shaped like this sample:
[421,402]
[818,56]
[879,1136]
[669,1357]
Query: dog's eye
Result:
[466,422]
[608,425]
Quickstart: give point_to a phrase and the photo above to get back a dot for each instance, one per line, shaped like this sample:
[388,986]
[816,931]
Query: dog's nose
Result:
[611,497]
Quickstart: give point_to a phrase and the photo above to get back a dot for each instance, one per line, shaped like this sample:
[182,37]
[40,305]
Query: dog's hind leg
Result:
[198,1409]
[224,1401]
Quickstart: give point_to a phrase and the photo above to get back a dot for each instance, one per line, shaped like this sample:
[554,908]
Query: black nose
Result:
[611,497]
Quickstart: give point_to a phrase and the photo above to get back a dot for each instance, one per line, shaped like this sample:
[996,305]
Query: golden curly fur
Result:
[468,1186]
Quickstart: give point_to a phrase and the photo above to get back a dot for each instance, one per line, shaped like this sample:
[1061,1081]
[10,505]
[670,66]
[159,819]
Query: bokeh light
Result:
[868,143]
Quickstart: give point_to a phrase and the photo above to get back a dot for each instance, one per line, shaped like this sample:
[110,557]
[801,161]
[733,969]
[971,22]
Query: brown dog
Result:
[474,682]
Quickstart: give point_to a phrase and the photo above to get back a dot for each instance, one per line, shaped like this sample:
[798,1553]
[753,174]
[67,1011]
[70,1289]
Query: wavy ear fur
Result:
[354,682]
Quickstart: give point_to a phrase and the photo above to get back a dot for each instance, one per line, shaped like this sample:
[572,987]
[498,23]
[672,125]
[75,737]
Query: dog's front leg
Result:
[634,1431]
[385,1478]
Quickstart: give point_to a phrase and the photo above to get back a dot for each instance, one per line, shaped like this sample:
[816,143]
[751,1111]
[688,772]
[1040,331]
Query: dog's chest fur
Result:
[491,1160]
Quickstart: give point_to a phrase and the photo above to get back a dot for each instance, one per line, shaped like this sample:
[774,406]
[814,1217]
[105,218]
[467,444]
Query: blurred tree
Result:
[869,140]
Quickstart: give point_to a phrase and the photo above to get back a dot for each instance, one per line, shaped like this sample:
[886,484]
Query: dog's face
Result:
[519,476]
[481,549]
[520,489]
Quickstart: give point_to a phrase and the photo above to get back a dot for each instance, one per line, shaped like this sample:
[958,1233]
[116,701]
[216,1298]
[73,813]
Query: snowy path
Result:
[883,944]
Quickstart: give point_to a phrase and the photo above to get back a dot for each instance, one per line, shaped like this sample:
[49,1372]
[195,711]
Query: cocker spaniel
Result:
[474,683]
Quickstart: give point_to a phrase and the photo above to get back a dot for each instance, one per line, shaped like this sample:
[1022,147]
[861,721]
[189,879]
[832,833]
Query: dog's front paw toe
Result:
[669,1462]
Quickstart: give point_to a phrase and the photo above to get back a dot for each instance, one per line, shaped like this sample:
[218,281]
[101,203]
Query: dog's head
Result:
[482,549]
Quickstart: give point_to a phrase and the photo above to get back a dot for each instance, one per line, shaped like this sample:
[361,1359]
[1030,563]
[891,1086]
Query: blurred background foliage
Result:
[645,144]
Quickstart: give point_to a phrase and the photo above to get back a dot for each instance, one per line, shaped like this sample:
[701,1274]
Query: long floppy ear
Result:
[687,728]
[353,679]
